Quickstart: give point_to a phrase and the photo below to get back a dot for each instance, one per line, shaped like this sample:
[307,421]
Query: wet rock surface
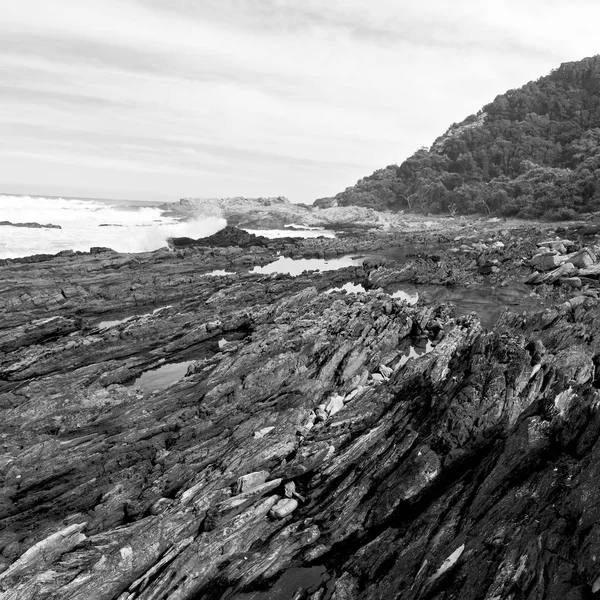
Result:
[319,445]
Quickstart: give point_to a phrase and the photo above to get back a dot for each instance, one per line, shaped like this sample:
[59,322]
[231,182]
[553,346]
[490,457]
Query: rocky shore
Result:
[30,225]
[171,434]
[279,212]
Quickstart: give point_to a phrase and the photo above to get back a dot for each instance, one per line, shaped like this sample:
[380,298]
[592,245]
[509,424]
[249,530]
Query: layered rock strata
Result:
[319,445]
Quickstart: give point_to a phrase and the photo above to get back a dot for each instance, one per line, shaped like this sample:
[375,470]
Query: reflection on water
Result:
[349,288]
[293,579]
[415,352]
[303,233]
[401,254]
[163,377]
[297,266]
[218,273]
[107,324]
[488,302]
[408,298]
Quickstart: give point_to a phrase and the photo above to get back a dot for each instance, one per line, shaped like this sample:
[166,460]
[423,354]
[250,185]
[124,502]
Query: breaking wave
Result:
[125,226]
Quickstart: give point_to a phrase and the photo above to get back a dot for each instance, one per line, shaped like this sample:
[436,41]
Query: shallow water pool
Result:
[162,377]
[308,579]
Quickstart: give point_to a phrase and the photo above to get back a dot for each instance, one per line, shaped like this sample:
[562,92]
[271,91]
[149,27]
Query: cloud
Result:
[293,97]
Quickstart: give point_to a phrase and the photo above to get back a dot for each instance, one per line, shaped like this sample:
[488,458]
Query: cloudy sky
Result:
[160,99]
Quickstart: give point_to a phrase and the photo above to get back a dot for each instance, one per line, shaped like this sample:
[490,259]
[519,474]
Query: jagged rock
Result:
[246,482]
[566,270]
[43,554]
[227,237]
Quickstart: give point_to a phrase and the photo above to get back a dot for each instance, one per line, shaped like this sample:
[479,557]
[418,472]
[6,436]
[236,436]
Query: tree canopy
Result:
[532,152]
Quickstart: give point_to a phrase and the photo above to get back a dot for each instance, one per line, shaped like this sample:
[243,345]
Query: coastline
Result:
[259,381]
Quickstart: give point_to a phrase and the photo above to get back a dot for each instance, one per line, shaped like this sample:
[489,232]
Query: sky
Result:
[163,99]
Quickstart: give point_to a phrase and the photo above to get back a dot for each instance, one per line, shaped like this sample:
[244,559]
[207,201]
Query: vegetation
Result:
[533,152]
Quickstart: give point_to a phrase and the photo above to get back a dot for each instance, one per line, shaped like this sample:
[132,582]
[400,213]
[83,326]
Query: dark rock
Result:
[30,225]
[229,236]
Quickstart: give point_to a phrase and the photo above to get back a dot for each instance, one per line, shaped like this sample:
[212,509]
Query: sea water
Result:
[123,225]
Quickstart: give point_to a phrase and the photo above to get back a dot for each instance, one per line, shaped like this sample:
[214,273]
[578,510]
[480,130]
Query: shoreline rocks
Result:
[30,225]
[306,431]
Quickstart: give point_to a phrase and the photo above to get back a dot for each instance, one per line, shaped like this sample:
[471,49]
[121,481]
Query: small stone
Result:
[160,506]
[320,415]
[289,489]
[283,508]
[335,404]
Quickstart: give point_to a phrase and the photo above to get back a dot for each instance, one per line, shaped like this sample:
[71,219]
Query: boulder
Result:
[582,259]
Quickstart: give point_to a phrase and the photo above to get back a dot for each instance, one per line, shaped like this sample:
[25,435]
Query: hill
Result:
[532,152]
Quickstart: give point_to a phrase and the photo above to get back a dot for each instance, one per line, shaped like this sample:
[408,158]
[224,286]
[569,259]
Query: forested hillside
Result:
[532,152]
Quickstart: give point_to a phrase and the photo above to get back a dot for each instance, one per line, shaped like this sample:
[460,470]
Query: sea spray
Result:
[121,225]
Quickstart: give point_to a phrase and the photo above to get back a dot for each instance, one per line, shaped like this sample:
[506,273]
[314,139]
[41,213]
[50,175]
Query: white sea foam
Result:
[132,226]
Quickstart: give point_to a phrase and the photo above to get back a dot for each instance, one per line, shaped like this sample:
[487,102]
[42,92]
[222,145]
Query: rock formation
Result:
[317,445]
[277,213]
[29,225]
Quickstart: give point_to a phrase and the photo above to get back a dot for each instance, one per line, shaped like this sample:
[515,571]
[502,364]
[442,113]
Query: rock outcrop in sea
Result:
[171,434]
[279,212]
[30,225]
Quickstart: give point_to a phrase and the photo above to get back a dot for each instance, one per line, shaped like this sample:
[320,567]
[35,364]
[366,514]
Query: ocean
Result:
[123,225]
